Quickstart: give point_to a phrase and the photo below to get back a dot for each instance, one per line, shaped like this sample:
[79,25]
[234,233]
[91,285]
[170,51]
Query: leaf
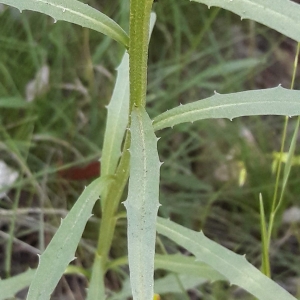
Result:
[96,288]
[281,15]
[182,264]
[289,161]
[76,12]
[60,251]
[274,101]
[117,119]
[164,285]
[142,204]
[233,266]
[13,102]
[9,287]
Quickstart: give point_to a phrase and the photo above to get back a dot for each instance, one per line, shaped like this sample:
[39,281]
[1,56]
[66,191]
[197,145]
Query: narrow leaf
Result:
[265,266]
[9,287]
[97,289]
[274,101]
[76,12]
[117,119]
[183,264]
[281,15]
[171,283]
[289,161]
[13,102]
[142,204]
[234,267]
[61,250]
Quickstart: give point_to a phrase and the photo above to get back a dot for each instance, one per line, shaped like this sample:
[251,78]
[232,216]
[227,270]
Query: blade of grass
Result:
[276,204]
[264,238]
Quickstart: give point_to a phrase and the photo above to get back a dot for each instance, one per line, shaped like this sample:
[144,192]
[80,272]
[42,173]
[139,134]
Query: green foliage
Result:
[142,204]
[117,119]
[275,101]
[234,267]
[9,287]
[133,153]
[74,11]
[60,252]
[281,15]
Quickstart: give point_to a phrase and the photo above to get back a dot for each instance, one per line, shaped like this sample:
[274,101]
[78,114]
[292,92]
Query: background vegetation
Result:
[213,170]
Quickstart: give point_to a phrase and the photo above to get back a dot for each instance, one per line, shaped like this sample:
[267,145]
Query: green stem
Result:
[276,204]
[114,194]
[138,50]
[138,55]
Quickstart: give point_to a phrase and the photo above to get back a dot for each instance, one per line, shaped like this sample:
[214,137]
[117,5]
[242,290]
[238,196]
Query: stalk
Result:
[138,50]
[138,55]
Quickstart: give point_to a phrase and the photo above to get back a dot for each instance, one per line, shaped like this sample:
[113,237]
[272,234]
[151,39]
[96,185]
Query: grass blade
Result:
[274,101]
[75,12]
[13,102]
[234,267]
[142,204]
[265,266]
[60,251]
[281,15]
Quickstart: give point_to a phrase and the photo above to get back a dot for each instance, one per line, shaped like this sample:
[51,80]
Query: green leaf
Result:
[9,287]
[142,204]
[289,161]
[97,289]
[182,264]
[274,101]
[281,15]
[117,119]
[13,102]
[234,267]
[171,283]
[60,252]
[76,12]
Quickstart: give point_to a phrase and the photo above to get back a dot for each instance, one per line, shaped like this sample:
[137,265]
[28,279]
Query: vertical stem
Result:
[138,55]
[138,50]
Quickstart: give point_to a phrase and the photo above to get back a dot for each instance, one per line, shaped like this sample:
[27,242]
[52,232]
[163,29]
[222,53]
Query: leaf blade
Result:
[142,204]
[281,15]
[234,267]
[9,287]
[273,101]
[60,251]
[75,12]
